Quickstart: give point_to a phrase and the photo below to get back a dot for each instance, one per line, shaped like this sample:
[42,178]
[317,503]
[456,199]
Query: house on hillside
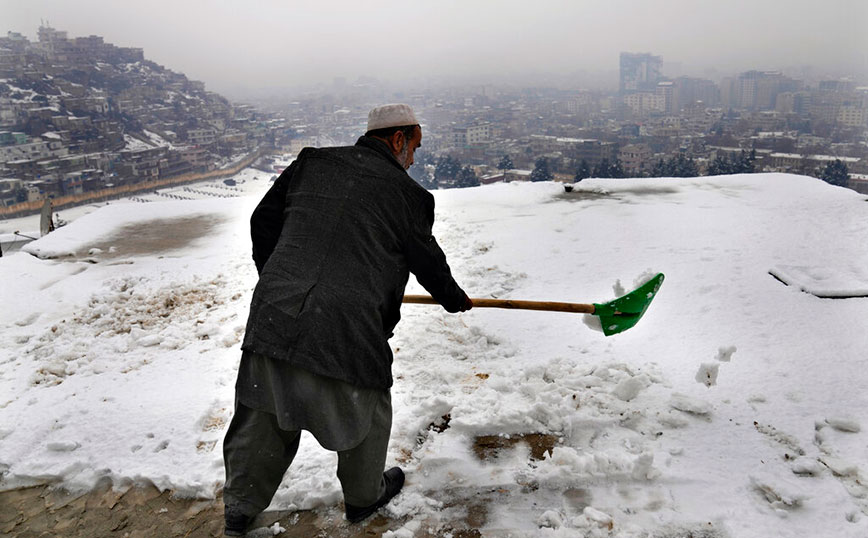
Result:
[516,175]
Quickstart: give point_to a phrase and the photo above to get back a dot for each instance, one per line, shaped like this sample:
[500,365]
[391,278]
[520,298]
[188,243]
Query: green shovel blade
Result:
[622,313]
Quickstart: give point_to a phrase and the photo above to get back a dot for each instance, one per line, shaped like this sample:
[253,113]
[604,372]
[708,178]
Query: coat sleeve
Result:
[267,219]
[428,262]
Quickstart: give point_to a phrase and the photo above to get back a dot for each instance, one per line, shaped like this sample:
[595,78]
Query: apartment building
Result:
[201,137]
[852,116]
[475,134]
[667,97]
[636,158]
[639,72]
[34,149]
[795,162]
[644,103]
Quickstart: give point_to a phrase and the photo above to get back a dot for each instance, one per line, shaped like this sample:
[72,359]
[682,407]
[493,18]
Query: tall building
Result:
[639,72]
[841,85]
[694,90]
[757,90]
[667,93]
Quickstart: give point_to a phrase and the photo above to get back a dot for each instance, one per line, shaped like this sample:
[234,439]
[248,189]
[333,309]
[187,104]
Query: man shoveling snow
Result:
[334,240]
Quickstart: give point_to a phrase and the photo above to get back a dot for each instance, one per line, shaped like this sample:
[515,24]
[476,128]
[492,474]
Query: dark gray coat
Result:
[335,239]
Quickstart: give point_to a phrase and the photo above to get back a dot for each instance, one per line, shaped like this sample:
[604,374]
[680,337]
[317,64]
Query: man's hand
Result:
[468,304]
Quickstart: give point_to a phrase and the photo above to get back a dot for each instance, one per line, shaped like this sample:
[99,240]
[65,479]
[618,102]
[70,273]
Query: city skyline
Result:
[236,50]
[103,115]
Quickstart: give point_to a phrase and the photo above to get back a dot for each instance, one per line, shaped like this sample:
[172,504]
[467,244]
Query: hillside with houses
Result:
[78,114]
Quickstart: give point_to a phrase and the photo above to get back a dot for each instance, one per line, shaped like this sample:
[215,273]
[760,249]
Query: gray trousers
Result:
[257,453]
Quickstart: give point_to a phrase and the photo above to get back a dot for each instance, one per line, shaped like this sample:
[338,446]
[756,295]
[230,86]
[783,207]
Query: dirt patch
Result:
[489,447]
[650,190]
[577,195]
[440,425]
[154,237]
[145,512]
[468,510]
[139,512]
[581,196]
[474,518]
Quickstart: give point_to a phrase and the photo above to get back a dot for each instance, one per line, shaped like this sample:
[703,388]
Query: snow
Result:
[844,424]
[825,281]
[157,140]
[91,229]
[707,373]
[724,354]
[132,143]
[248,181]
[119,346]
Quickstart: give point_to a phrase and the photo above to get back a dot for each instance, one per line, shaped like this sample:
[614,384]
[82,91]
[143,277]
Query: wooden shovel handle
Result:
[576,308]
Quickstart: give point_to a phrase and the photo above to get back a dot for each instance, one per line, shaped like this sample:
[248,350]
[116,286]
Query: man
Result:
[334,240]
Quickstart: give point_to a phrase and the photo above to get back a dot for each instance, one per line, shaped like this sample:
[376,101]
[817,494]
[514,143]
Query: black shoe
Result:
[236,523]
[394,479]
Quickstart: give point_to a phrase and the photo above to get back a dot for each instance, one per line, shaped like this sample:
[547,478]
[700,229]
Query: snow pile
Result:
[707,373]
[731,409]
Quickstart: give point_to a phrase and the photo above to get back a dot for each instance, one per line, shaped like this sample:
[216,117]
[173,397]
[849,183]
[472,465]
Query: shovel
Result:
[616,316]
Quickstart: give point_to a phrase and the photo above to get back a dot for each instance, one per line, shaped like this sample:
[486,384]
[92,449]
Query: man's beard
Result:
[403,156]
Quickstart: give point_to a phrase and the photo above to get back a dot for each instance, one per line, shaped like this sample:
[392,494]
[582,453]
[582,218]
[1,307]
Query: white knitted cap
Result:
[395,115]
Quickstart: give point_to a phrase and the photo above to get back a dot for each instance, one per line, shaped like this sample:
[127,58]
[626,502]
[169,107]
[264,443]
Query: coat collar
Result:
[380,147]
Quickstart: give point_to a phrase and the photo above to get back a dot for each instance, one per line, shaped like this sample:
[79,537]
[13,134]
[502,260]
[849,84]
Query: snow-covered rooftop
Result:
[815,157]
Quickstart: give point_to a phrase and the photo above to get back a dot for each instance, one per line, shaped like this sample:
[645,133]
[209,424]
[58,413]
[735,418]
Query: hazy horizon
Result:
[237,49]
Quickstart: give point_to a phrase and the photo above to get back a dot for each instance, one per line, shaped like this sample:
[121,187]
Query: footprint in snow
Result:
[782,495]
[851,475]
[63,446]
[690,405]
[24,322]
[724,354]
[844,424]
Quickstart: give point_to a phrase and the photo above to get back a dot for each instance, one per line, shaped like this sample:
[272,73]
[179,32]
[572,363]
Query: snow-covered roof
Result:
[815,157]
[568,140]
[134,144]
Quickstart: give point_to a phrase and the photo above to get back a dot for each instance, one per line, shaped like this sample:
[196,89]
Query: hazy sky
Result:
[257,43]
